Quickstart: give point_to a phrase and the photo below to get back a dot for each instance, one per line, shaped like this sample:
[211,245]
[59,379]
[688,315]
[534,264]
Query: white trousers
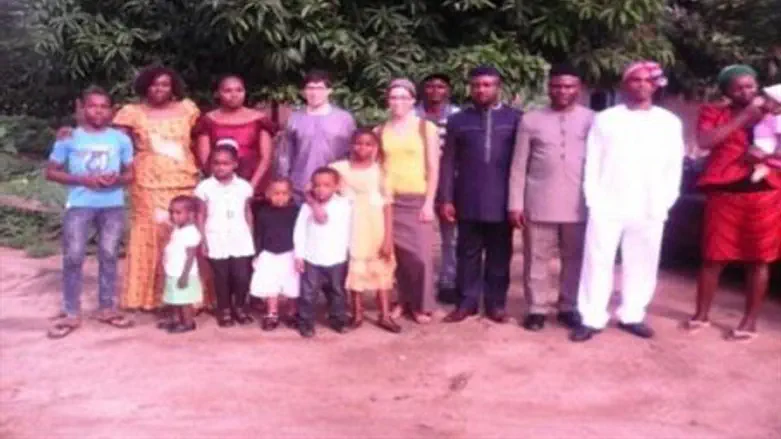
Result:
[640,243]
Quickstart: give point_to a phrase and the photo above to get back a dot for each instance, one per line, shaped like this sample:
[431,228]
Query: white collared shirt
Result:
[226,230]
[324,245]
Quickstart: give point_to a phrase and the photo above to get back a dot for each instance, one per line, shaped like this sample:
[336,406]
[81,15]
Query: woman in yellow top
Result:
[164,166]
[412,162]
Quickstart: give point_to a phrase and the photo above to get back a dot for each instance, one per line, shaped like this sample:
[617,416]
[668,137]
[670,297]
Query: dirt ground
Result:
[472,380]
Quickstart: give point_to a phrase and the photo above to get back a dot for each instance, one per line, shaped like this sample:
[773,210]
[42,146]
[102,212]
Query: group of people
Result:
[353,210]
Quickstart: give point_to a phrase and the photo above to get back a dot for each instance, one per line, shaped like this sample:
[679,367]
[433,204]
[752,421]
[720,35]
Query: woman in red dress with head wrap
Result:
[246,129]
[742,217]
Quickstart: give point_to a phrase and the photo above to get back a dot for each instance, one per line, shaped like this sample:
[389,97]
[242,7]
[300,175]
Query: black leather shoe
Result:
[459,315]
[582,333]
[534,322]
[225,319]
[166,325]
[181,328]
[339,326]
[269,323]
[241,317]
[570,319]
[637,329]
[306,330]
[497,316]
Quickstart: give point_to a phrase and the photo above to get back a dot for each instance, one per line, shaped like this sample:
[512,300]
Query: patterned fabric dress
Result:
[742,219]
[164,167]
[366,189]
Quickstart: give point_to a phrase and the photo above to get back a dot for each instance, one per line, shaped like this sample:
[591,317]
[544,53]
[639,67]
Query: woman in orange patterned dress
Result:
[164,167]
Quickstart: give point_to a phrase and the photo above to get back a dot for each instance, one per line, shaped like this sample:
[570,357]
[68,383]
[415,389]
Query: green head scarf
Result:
[729,73]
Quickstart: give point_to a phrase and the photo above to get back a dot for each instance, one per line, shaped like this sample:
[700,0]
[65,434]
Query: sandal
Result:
[741,335]
[396,311]
[694,326]
[116,320]
[421,318]
[62,328]
[389,325]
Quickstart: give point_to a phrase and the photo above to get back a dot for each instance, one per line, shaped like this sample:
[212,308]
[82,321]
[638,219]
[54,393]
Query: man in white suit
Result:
[633,172]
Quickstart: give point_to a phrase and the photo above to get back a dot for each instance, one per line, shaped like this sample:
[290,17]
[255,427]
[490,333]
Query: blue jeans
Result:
[447,269]
[76,228]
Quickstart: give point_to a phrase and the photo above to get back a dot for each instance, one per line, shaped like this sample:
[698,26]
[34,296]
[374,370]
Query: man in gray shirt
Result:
[546,197]
[317,135]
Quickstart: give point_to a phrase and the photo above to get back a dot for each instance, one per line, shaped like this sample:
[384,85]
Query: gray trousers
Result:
[542,242]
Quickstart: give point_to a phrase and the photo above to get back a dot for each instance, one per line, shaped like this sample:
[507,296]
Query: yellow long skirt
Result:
[148,234]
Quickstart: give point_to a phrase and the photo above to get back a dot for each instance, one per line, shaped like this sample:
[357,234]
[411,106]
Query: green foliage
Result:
[710,34]
[22,229]
[25,135]
[41,193]
[364,44]
[12,166]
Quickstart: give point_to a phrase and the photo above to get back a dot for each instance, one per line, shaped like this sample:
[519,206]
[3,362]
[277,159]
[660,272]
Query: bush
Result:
[12,166]
[35,189]
[21,228]
[26,136]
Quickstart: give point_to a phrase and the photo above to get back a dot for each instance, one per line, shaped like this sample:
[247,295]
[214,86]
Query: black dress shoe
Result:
[166,325]
[242,318]
[534,322]
[637,329]
[269,323]
[448,296]
[225,319]
[339,326]
[306,330]
[181,328]
[497,316]
[583,333]
[459,315]
[570,319]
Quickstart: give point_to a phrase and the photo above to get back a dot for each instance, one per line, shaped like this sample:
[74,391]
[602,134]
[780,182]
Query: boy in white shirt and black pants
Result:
[321,253]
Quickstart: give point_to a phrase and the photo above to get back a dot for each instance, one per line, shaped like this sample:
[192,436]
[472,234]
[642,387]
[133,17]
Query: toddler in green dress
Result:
[182,283]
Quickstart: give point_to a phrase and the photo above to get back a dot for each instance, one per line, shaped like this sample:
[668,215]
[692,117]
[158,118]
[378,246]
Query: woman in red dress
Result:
[246,129]
[742,218]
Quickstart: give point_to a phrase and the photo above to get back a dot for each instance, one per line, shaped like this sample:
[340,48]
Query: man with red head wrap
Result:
[632,176]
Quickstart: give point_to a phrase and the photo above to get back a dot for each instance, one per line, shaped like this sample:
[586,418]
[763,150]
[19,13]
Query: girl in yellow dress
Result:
[372,266]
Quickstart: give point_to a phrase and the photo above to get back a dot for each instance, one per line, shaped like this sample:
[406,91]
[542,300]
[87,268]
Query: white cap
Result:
[773,92]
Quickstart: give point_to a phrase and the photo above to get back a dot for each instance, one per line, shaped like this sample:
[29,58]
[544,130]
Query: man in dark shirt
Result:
[474,180]
[436,107]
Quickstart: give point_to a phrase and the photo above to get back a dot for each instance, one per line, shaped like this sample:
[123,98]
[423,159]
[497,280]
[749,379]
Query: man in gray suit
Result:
[546,197]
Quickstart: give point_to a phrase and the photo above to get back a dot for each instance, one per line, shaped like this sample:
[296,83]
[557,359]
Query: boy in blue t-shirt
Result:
[94,162]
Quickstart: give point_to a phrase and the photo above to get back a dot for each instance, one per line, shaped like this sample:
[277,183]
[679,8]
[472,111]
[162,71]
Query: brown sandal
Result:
[62,328]
[116,320]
